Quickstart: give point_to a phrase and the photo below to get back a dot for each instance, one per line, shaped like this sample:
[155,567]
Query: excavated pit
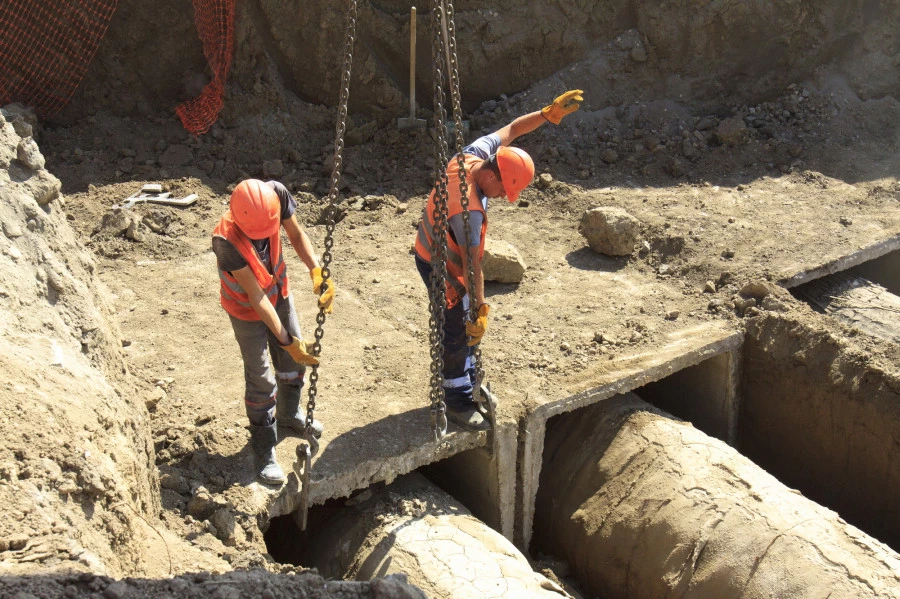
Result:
[644,505]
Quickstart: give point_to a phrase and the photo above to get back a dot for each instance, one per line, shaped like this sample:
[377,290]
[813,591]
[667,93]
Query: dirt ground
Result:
[812,183]
[728,192]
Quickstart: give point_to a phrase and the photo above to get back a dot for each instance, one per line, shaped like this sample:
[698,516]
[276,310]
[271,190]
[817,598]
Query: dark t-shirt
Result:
[229,258]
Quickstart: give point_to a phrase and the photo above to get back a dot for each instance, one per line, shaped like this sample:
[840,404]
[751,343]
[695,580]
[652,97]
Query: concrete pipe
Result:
[644,505]
[415,528]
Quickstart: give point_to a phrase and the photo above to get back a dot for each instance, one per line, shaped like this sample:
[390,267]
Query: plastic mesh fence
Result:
[215,24]
[46,47]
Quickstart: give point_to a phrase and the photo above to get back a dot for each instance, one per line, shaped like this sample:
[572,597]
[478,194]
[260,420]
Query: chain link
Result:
[456,98]
[437,292]
[331,209]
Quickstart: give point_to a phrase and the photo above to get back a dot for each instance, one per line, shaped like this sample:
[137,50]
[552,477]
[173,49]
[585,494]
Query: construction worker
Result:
[493,170]
[254,292]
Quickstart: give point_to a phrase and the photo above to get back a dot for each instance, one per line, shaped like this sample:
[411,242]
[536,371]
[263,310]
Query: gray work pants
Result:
[254,339]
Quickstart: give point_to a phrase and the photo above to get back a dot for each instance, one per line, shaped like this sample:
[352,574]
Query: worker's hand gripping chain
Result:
[322,278]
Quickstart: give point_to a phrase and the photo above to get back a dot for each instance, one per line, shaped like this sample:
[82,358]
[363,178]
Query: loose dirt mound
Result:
[75,448]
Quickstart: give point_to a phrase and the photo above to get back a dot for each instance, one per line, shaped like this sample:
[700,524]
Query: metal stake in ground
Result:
[412,122]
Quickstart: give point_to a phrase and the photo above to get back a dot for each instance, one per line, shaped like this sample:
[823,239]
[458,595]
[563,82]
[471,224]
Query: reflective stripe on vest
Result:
[456,278]
[232,296]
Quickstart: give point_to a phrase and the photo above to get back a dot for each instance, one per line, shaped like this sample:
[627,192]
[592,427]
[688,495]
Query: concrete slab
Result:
[683,349]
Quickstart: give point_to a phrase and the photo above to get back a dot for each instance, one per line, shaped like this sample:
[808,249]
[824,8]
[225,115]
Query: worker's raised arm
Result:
[300,240]
[565,104]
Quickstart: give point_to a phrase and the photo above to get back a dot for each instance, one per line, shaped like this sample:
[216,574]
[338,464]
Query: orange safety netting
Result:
[215,23]
[46,47]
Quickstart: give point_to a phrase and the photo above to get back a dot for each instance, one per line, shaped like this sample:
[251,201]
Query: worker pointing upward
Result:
[254,292]
[492,170]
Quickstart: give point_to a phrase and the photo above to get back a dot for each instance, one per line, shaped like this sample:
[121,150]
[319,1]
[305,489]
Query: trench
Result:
[804,414]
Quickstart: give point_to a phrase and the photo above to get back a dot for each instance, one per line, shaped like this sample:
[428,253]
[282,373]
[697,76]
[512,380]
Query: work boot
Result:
[467,416]
[288,412]
[262,442]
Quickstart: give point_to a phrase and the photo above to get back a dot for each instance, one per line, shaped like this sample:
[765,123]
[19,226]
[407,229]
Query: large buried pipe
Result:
[415,528]
[643,505]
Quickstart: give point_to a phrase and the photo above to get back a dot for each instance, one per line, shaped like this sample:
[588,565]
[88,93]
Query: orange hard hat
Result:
[256,209]
[516,170]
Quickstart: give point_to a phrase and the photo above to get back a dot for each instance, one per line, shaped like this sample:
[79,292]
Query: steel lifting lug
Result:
[304,460]
[439,423]
[486,402]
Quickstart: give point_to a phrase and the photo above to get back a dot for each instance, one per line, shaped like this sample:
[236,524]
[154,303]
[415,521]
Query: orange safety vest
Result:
[456,277]
[233,297]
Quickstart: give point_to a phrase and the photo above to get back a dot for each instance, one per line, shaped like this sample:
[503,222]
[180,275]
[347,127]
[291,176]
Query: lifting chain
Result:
[306,451]
[455,96]
[437,292]
[331,210]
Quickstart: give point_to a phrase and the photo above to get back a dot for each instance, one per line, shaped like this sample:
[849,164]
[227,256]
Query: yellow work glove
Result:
[565,104]
[326,297]
[298,351]
[475,330]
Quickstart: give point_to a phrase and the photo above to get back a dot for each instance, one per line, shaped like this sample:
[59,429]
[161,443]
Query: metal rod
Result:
[412,62]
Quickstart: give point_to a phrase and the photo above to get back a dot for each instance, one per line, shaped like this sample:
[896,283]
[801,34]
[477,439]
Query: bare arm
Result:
[520,126]
[300,240]
[479,274]
[261,304]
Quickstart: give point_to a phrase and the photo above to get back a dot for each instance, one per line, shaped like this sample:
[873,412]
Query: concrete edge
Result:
[533,426]
[870,252]
[367,473]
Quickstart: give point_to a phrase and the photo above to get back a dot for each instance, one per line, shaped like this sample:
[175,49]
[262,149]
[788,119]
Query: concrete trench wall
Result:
[707,367]
[825,420]
[644,505]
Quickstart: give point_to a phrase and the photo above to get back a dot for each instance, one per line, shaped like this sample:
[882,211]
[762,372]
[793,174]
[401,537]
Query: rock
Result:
[846,221]
[23,119]
[44,187]
[728,253]
[742,305]
[731,132]
[272,169]
[202,505]
[773,304]
[687,148]
[11,229]
[30,155]
[227,529]
[17,542]
[544,181]
[755,289]
[115,222]
[707,123]
[360,135]
[609,156]
[395,586]
[176,155]
[154,397]
[9,141]
[610,231]
[502,262]
[709,287]
[133,232]
[117,590]
[672,315]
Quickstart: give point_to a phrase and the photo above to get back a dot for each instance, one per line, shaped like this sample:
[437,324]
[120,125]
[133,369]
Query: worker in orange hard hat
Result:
[254,292]
[493,170]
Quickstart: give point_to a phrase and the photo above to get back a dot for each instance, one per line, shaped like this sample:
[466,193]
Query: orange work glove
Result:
[475,330]
[298,351]
[326,297]
[565,104]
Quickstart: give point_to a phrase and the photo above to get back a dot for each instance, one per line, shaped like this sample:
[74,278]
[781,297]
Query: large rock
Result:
[732,132]
[502,262]
[610,231]
[29,154]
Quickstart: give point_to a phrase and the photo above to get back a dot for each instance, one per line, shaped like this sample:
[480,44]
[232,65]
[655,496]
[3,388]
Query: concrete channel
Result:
[789,396]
